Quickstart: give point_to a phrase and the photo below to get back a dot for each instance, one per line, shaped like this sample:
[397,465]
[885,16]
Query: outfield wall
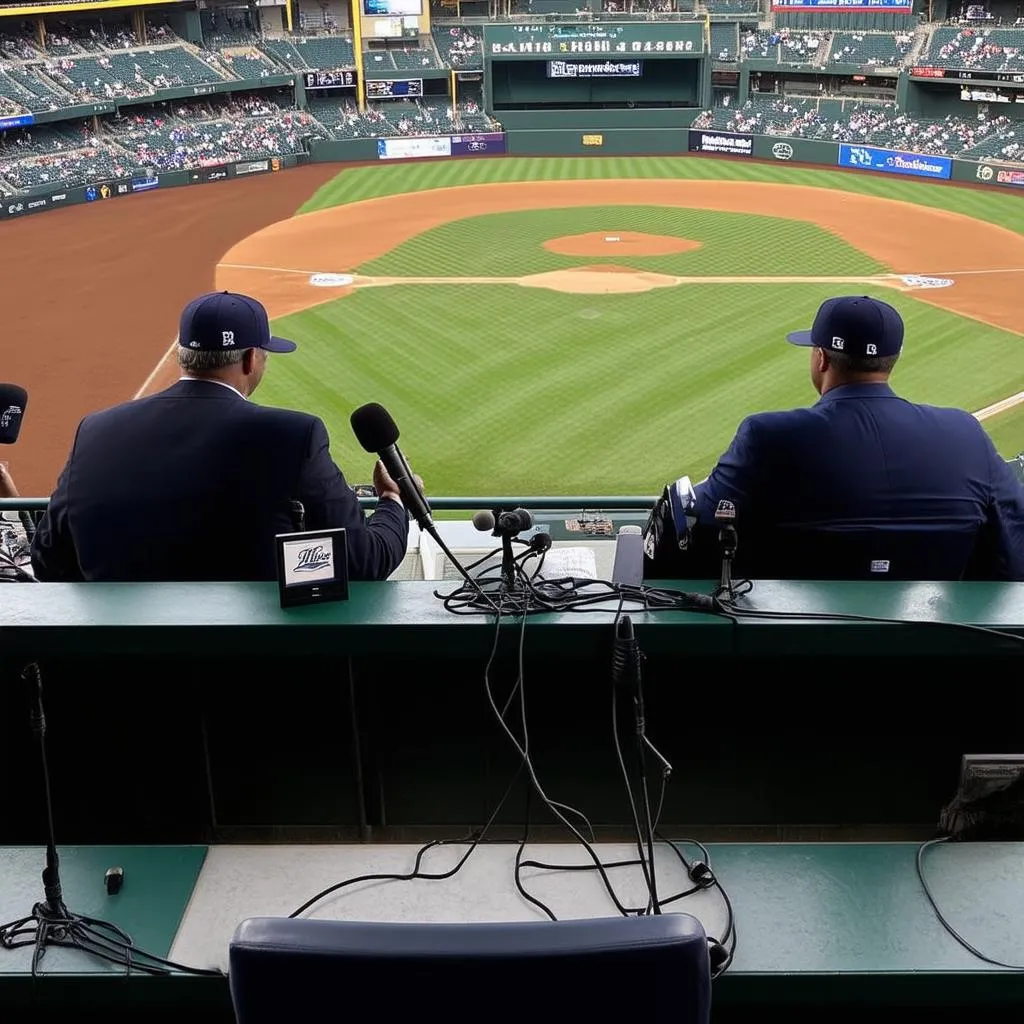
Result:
[549,142]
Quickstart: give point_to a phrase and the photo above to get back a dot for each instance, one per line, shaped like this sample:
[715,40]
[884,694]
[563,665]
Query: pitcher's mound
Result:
[619,243]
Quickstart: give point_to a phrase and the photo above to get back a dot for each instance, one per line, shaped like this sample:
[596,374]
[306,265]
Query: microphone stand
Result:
[728,540]
[508,564]
[51,923]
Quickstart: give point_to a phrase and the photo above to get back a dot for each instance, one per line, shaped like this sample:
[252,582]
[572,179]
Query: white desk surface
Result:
[237,882]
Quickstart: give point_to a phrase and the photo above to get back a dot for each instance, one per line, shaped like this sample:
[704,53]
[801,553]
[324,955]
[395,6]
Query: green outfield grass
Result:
[501,389]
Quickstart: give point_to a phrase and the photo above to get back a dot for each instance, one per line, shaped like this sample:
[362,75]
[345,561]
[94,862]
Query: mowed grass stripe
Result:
[582,394]
[357,183]
[732,244]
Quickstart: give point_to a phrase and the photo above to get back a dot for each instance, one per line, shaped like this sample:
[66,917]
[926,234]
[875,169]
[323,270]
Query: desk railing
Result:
[535,503]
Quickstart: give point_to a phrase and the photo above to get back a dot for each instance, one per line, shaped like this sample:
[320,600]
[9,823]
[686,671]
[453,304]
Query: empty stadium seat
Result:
[546,972]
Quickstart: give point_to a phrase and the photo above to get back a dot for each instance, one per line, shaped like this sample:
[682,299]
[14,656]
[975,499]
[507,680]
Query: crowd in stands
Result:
[881,124]
[975,48]
[459,46]
[168,136]
[247,129]
[395,118]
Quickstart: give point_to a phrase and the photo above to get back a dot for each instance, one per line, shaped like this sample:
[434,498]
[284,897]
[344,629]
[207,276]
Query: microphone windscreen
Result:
[374,428]
[13,401]
[484,521]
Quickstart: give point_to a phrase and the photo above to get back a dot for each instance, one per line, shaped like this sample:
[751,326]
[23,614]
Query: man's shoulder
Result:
[141,408]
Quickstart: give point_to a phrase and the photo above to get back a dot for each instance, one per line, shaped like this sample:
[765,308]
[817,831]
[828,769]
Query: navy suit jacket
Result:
[192,484]
[862,457]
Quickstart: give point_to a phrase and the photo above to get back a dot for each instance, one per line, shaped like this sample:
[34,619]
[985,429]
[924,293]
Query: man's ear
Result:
[248,361]
[823,359]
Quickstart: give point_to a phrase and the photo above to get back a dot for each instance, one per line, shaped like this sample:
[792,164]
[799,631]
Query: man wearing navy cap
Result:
[194,482]
[921,488]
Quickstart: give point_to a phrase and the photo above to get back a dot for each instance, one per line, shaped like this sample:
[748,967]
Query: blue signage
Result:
[18,121]
[893,161]
[842,5]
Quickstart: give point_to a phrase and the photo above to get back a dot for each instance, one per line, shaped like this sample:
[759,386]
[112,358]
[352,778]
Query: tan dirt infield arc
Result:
[99,287]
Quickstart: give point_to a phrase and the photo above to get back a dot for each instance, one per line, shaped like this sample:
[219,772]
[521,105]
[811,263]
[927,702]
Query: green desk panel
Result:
[209,619]
[158,882]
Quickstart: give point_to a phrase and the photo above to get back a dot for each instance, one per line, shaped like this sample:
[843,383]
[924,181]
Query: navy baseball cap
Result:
[854,324]
[223,320]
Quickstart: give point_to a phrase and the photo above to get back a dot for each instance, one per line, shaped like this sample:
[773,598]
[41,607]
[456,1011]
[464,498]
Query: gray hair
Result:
[198,361]
[847,364]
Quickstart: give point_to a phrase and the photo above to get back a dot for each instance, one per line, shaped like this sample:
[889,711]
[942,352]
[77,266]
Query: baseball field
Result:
[539,326]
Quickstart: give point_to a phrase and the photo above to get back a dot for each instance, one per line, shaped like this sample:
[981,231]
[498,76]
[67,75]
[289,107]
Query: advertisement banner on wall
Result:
[414,149]
[1000,175]
[480,144]
[892,161]
[16,121]
[252,167]
[425,147]
[728,143]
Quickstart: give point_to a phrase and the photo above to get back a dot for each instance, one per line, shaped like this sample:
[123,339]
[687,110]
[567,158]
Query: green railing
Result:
[547,503]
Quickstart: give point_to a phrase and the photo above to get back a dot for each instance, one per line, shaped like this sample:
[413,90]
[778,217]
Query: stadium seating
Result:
[987,50]
[330,52]
[731,7]
[22,87]
[459,46]
[65,170]
[869,49]
[285,53]
[725,41]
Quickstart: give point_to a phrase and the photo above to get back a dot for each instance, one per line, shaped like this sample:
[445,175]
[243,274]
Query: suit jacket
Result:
[192,484]
[864,458]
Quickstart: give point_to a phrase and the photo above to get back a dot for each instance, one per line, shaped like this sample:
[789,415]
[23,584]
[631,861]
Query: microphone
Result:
[376,431]
[515,521]
[13,400]
[483,521]
[628,568]
[539,542]
[725,513]
[725,516]
[298,513]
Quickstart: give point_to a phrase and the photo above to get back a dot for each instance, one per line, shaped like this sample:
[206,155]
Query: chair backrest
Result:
[654,967]
[891,552]
[894,551]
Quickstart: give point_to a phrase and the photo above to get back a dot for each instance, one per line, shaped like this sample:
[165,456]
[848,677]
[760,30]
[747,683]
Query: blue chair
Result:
[654,968]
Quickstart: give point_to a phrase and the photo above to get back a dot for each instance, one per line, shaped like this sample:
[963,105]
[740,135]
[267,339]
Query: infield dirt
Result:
[93,298]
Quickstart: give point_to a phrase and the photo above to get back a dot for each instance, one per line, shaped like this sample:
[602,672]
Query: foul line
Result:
[156,369]
[276,270]
[998,407]
[982,414]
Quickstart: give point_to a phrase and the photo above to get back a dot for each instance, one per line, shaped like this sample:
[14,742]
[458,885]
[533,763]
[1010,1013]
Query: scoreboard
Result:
[393,88]
[649,39]
[329,79]
[964,75]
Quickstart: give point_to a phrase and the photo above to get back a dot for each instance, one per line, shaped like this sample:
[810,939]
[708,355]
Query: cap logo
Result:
[193,344]
[872,350]
[838,343]
[227,338]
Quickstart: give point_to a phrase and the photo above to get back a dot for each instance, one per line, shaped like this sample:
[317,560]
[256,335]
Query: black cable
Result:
[51,923]
[646,860]
[570,594]
[473,840]
[535,781]
[731,610]
[926,888]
